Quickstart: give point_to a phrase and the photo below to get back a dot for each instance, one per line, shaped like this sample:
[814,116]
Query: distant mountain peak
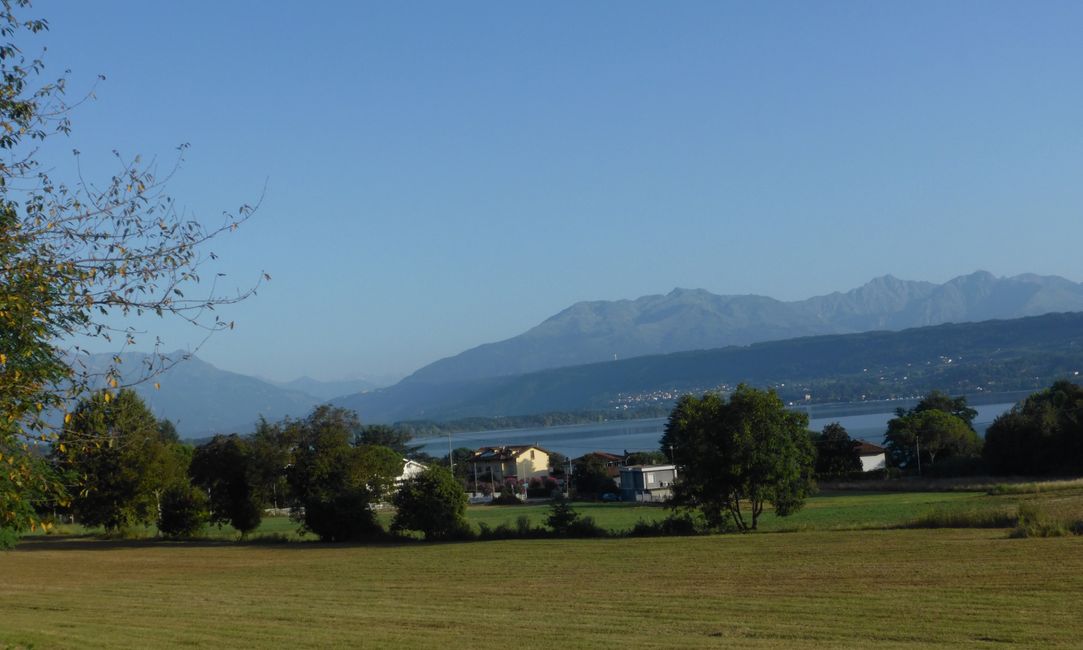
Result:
[691,319]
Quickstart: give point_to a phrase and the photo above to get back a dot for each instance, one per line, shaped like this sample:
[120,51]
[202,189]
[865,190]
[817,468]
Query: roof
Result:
[868,449]
[648,468]
[604,455]
[505,452]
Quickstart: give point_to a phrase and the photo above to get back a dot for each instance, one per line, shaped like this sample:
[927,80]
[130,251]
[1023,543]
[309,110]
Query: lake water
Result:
[643,435]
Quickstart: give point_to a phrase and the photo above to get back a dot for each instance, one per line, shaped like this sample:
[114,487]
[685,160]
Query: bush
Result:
[183,511]
[561,516]
[675,525]
[343,517]
[586,527]
[433,503]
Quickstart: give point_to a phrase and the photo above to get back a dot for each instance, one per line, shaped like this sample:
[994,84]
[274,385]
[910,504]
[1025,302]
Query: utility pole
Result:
[917,443]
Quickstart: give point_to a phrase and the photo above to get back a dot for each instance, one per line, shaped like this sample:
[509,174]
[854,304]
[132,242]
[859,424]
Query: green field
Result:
[823,586]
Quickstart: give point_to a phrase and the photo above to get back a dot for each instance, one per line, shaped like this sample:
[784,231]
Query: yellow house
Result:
[522,462]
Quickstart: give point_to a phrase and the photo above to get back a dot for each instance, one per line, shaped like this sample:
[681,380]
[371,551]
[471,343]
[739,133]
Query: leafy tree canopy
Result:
[939,401]
[334,483]
[384,436]
[1043,435]
[748,449]
[224,467]
[434,503]
[923,436]
[116,461]
[836,452]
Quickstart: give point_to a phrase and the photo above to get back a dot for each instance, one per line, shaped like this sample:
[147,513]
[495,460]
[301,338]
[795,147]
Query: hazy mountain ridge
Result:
[695,319]
[326,390]
[202,399]
[995,355]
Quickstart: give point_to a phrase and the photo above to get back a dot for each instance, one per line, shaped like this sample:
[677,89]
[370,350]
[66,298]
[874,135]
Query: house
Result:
[647,482]
[521,462]
[410,469]
[872,456]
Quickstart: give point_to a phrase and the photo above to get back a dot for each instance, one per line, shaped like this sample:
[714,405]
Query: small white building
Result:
[410,469]
[872,456]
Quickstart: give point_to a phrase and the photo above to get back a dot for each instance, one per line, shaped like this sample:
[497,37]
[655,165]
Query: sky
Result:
[434,176]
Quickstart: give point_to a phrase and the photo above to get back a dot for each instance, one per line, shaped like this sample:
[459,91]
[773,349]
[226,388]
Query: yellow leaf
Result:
[67,418]
[157,385]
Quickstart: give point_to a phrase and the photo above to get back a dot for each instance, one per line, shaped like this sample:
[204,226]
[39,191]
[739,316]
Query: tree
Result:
[745,449]
[272,449]
[836,452]
[1042,435]
[922,436]
[558,463]
[434,503]
[75,258]
[328,478]
[591,477]
[647,458]
[225,469]
[561,516]
[463,467]
[116,460]
[183,512]
[384,436]
[939,401]
[382,467]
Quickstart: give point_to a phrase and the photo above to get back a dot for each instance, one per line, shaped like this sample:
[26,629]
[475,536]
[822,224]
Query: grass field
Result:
[823,586]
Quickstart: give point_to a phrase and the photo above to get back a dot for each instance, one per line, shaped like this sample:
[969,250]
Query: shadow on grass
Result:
[92,542]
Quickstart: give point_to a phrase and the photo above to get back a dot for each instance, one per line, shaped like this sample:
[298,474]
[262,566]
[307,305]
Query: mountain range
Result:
[587,354]
[694,319]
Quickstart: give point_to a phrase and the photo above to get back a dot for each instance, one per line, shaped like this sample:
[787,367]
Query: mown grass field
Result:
[822,586]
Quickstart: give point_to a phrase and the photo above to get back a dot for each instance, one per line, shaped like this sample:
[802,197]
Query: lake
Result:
[642,435]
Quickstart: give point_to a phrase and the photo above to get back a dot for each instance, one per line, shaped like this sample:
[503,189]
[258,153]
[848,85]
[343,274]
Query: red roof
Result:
[868,449]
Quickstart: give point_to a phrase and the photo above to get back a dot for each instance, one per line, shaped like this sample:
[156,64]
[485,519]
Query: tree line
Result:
[122,468]
[737,453]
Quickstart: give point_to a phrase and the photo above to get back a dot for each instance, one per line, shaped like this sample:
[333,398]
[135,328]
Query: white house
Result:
[410,469]
[872,456]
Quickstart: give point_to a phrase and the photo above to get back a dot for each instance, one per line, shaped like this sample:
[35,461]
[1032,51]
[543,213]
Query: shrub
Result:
[561,516]
[682,524]
[586,527]
[342,517]
[433,503]
[183,511]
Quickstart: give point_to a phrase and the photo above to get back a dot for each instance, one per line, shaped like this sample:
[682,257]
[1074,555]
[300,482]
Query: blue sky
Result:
[441,175]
